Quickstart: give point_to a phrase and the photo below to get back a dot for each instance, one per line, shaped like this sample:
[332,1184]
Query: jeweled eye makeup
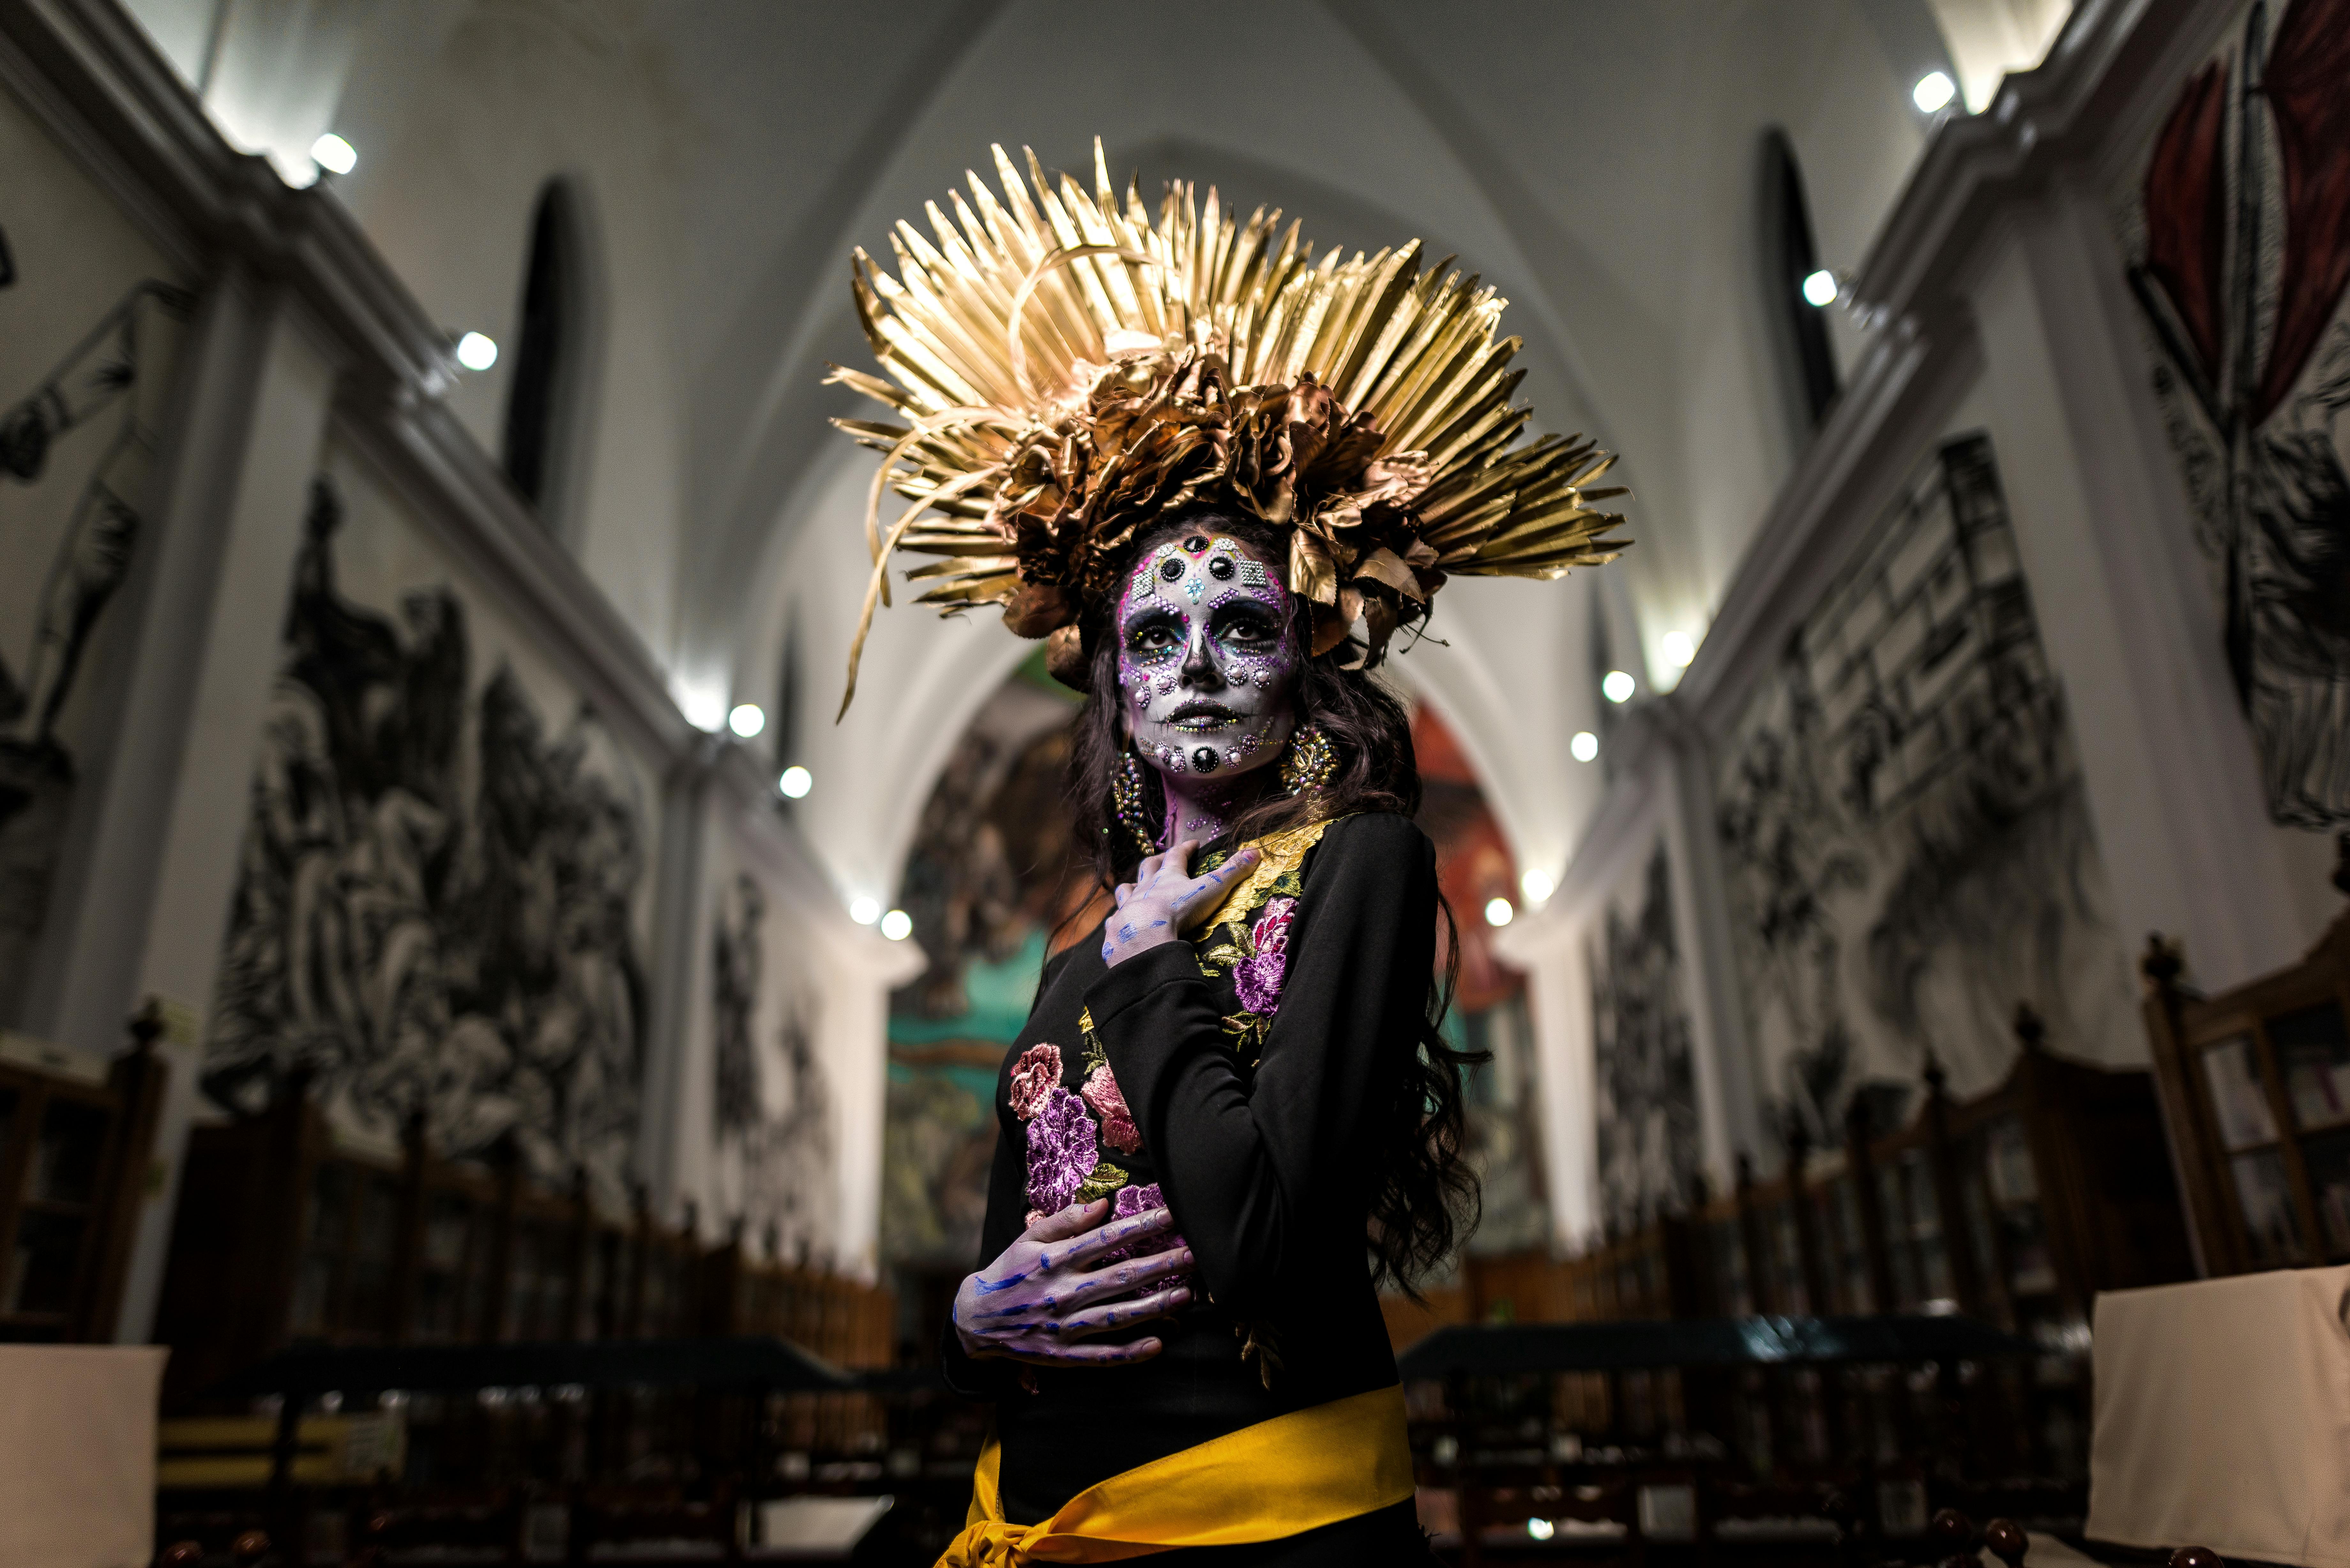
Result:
[1205,662]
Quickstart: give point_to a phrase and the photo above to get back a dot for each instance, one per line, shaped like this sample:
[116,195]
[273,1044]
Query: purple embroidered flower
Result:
[1118,1131]
[1063,1149]
[1258,977]
[1132,1201]
[1129,1201]
[1037,1073]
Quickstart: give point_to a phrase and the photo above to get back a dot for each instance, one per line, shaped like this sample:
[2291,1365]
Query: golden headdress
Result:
[1068,373]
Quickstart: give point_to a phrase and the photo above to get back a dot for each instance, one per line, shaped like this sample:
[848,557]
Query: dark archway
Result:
[1798,327]
[542,400]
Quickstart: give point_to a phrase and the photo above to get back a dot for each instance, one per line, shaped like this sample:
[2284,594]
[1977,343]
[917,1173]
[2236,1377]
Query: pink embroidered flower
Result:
[1258,977]
[1102,1093]
[1063,1149]
[1035,1074]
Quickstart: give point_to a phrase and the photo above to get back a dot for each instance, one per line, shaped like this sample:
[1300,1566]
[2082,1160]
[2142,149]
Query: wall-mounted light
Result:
[477,351]
[1933,92]
[1585,745]
[796,782]
[1678,649]
[704,709]
[333,154]
[1617,686]
[896,925]
[1540,1529]
[1536,886]
[747,719]
[1498,912]
[864,911]
[1821,289]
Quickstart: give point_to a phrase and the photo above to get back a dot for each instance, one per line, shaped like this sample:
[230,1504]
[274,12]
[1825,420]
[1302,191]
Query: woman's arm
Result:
[1038,1291]
[1251,1168]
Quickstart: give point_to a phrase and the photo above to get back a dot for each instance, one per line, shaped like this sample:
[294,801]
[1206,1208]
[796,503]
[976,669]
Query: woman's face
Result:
[1206,667]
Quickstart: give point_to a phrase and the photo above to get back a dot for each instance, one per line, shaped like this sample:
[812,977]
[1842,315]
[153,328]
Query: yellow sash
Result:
[1293,1473]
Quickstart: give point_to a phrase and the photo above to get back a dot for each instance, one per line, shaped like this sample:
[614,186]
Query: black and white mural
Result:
[443,897]
[1904,834]
[1649,1144]
[87,354]
[770,1132]
[2237,222]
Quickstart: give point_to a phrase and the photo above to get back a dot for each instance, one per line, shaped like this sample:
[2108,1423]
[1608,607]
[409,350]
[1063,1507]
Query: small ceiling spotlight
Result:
[1678,649]
[333,154]
[1618,686]
[796,782]
[1536,886]
[864,911]
[1585,745]
[747,719]
[477,351]
[896,925]
[1933,92]
[1498,912]
[1821,289]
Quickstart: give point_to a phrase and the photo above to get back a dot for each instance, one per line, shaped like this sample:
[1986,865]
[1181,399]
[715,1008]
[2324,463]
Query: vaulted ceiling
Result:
[1598,160]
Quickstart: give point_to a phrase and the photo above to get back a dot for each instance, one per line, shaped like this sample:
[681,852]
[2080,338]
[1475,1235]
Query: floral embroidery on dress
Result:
[1257,977]
[1133,1200]
[1118,1129]
[1063,1151]
[1037,1075]
[1065,1162]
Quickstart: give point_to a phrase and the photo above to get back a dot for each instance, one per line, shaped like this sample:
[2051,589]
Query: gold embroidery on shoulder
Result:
[1283,853]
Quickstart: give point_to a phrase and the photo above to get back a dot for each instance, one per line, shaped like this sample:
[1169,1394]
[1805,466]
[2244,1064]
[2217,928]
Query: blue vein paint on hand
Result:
[986,1289]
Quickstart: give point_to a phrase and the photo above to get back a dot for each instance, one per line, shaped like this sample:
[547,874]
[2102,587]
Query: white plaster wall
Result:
[456,144]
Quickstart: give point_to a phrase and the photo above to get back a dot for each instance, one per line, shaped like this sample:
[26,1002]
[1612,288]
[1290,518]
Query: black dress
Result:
[1258,1065]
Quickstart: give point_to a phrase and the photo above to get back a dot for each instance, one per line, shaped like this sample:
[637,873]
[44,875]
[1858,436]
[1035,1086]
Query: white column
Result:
[2118,587]
[1729,1100]
[1545,945]
[150,909]
[681,937]
[860,968]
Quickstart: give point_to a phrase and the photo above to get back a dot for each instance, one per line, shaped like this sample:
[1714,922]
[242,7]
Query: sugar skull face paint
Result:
[1206,665]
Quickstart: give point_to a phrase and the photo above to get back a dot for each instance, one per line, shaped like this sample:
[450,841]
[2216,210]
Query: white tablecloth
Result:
[2223,1417]
[77,1455]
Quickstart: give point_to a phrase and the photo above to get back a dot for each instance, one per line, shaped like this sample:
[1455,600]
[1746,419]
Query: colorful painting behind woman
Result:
[1218,480]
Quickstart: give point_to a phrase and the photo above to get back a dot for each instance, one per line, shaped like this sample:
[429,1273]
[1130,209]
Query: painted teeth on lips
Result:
[1202,716]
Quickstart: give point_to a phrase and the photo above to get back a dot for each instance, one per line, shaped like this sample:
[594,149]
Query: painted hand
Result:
[1163,898]
[1039,1300]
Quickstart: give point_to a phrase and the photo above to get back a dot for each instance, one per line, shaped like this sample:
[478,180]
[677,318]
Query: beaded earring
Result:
[1309,762]
[1126,797]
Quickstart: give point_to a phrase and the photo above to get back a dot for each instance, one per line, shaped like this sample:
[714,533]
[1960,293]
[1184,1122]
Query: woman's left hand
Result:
[1163,898]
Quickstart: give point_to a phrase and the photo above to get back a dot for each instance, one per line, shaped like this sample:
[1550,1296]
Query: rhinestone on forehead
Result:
[1253,574]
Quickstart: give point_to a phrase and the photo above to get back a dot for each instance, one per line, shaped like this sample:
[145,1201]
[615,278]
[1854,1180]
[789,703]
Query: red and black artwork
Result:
[2240,273]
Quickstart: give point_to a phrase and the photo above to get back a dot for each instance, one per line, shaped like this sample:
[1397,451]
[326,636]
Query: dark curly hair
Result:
[1429,1198]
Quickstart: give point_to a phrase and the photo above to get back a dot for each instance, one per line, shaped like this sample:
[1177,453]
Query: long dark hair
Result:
[1427,1198]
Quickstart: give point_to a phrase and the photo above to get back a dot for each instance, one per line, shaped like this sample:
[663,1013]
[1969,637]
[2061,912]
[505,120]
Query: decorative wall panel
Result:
[1905,835]
[2236,219]
[771,1135]
[90,321]
[1649,1145]
[444,897]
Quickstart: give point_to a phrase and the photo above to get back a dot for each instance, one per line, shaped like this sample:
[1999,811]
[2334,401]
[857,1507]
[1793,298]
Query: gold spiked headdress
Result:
[1068,372]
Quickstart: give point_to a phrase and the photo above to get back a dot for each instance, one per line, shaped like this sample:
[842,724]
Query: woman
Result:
[1200,465]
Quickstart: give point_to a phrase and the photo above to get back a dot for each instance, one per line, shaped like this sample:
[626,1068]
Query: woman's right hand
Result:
[1043,1297]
